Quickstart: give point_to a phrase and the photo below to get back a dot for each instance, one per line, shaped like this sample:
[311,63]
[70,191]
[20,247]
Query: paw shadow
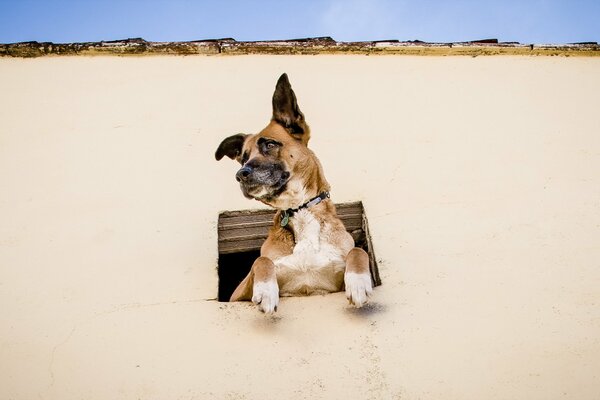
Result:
[369,309]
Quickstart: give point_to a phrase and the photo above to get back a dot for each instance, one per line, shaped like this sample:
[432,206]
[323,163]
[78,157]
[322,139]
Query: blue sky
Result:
[535,21]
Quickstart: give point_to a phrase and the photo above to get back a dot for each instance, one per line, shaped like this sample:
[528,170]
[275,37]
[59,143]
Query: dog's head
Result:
[278,169]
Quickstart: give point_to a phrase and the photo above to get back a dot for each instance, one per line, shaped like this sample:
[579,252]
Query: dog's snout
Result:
[243,174]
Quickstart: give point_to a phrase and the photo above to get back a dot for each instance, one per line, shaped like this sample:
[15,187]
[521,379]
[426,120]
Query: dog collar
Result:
[287,214]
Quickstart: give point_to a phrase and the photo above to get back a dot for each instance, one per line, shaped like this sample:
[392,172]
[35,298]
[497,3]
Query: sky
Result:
[533,21]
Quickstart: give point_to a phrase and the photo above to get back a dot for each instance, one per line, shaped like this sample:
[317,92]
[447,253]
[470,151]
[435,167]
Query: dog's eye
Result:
[268,145]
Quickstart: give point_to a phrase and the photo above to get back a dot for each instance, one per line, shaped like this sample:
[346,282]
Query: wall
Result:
[479,177]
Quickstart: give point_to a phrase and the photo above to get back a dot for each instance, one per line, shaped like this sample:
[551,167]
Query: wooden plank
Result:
[240,218]
[243,232]
[245,216]
[376,279]
[240,246]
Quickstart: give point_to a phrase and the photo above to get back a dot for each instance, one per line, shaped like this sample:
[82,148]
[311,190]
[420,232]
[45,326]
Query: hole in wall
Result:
[233,268]
[241,233]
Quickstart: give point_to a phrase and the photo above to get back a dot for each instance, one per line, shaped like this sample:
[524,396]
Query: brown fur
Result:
[356,260]
[288,151]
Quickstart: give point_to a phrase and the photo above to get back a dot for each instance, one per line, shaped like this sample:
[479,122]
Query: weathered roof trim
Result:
[308,46]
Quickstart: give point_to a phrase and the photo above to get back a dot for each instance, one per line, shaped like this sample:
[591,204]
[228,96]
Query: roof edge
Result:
[306,46]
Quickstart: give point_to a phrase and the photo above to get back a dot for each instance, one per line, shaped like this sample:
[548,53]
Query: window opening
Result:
[241,233]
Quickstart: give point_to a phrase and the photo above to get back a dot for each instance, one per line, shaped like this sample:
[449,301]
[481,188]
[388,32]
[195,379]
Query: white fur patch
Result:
[262,191]
[266,295]
[358,288]
[315,265]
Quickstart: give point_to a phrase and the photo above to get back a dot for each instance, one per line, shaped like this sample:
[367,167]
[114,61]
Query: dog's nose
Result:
[243,174]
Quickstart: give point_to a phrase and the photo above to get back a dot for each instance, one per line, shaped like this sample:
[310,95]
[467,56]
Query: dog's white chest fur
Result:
[316,265]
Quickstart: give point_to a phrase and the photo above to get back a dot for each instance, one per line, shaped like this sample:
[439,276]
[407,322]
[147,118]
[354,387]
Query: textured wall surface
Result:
[480,178]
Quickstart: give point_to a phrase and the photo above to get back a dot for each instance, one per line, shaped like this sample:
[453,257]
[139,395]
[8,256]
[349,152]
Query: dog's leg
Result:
[260,286]
[265,291]
[244,290]
[357,277]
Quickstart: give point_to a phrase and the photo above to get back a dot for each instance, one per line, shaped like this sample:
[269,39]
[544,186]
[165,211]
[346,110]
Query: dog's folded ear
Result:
[231,147]
[286,111]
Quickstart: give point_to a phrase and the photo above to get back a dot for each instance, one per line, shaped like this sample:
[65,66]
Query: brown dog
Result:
[308,250]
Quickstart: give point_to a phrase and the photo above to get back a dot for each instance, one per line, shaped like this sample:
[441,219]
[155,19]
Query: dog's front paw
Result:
[266,295]
[358,288]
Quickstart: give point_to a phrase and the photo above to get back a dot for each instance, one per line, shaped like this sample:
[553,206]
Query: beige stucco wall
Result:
[480,178]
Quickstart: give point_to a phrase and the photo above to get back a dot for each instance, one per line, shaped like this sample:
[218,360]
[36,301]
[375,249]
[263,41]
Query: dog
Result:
[308,250]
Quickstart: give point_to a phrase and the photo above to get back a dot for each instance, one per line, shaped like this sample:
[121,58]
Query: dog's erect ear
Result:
[286,111]
[231,147]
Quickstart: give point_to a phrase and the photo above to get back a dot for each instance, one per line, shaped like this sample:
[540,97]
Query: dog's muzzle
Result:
[262,180]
